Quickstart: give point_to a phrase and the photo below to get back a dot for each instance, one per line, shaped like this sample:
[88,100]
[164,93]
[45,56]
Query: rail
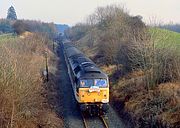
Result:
[100,117]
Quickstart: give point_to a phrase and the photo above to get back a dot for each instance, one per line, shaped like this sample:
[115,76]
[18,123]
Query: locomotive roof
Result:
[82,62]
[71,51]
[74,57]
[91,69]
[83,59]
[67,44]
[91,72]
[85,75]
[88,68]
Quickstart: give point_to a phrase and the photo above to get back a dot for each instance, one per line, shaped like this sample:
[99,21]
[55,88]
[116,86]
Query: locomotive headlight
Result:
[105,101]
[105,95]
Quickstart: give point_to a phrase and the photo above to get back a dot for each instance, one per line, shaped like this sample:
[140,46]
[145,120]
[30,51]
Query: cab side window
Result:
[77,69]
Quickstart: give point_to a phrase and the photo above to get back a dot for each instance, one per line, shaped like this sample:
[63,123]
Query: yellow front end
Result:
[87,96]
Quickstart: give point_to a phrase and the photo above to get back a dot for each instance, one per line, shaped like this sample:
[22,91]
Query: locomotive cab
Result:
[93,92]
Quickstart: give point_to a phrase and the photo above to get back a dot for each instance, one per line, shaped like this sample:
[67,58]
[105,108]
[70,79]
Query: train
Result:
[90,84]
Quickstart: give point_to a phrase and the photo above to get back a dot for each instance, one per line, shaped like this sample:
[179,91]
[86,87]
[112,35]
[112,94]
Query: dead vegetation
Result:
[143,64]
[22,94]
[154,108]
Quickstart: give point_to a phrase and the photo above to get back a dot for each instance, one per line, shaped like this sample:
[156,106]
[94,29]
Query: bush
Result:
[21,90]
[20,27]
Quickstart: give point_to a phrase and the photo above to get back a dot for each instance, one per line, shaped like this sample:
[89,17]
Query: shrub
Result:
[21,90]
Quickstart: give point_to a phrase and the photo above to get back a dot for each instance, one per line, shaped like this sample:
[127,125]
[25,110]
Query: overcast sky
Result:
[73,11]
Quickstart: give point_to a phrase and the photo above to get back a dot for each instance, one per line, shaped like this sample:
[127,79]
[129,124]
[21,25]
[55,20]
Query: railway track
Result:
[72,115]
[104,122]
[101,118]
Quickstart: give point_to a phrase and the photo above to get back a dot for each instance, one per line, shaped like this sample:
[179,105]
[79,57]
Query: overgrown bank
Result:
[23,95]
[142,61]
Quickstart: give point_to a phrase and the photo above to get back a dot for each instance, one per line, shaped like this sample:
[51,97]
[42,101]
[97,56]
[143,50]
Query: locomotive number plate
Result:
[94,89]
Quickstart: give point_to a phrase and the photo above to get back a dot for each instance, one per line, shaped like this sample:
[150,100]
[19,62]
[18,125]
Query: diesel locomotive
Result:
[90,84]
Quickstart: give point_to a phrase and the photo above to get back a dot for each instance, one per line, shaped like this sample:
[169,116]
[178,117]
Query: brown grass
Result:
[157,107]
[22,103]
